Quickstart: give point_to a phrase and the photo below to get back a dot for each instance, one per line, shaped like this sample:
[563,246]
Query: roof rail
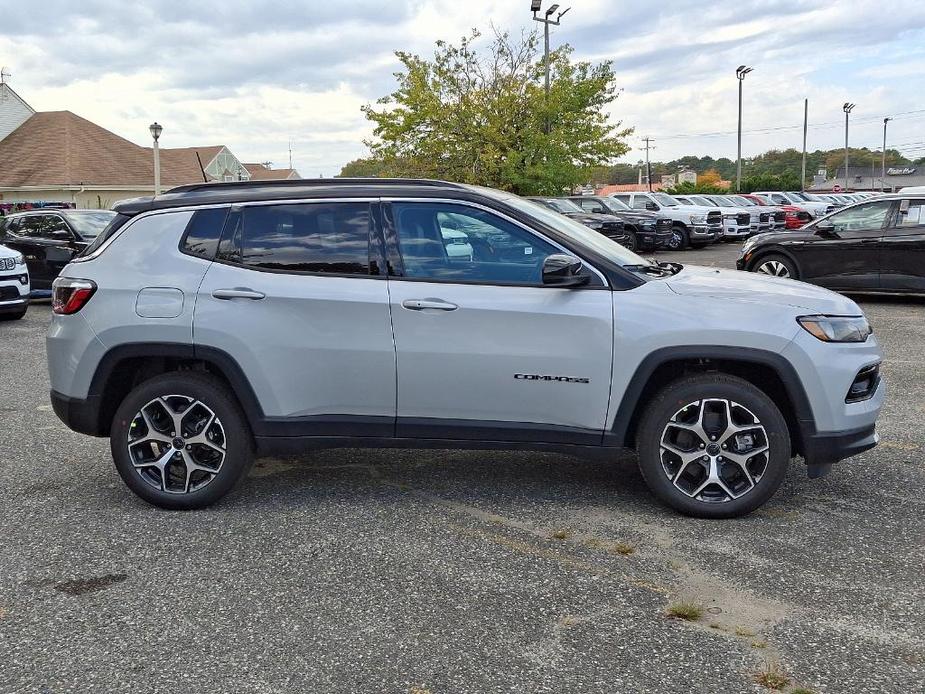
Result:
[310,182]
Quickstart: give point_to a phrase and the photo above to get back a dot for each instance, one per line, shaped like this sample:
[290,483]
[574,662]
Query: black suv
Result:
[50,239]
[871,246]
[610,226]
[651,230]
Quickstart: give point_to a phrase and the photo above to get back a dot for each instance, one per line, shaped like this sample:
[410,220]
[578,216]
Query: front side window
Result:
[592,206]
[330,238]
[640,202]
[44,226]
[446,242]
[868,216]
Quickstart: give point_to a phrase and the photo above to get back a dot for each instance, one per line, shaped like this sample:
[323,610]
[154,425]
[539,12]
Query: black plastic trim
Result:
[617,436]
[826,448]
[488,430]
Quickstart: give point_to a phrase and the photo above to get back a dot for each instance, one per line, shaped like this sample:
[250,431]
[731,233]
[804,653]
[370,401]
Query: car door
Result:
[844,250]
[46,242]
[902,255]
[297,299]
[485,350]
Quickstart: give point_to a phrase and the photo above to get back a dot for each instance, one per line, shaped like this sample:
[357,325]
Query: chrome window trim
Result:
[507,218]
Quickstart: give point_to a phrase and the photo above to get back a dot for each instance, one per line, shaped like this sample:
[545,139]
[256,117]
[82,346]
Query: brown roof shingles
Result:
[259,172]
[61,148]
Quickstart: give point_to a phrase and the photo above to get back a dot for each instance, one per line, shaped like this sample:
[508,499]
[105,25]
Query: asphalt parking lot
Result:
[442,571]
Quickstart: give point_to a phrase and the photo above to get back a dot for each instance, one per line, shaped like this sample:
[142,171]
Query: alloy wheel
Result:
[714,450]
[176,444]
[774,268]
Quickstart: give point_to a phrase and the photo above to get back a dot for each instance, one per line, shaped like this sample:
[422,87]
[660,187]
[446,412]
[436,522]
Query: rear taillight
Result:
[69,295]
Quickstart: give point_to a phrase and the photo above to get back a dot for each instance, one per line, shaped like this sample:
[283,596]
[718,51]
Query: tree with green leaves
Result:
[483,117]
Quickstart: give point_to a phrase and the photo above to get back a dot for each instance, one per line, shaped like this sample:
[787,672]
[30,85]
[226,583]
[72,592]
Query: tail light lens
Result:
[69,295]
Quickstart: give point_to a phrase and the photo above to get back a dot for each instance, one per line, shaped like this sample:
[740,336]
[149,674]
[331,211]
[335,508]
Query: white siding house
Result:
[13,110]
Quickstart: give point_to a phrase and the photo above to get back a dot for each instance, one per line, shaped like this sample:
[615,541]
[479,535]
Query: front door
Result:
[295,299]
[902,258]
[46,242]
[485,351]
[845,253]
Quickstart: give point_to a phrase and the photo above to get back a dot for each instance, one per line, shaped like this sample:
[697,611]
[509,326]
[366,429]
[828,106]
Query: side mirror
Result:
[826,230]
[652,207]
[561,270]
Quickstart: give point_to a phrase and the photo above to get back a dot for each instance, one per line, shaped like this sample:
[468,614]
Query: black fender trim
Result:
[803,413]
[772,250]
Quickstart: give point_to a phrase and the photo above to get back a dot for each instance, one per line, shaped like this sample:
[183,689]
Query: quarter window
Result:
[457,243]
[331,238]
[914,216]
[203,232]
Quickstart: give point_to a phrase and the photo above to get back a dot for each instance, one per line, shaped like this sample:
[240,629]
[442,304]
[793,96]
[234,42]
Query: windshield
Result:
[579,232]
[663,199]
[742,202]
[615,205]
[90,224]
[559,205]
[796,197]
[703,202]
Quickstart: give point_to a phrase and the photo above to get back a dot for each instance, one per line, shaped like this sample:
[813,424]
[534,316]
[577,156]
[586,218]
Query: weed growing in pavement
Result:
[772,677]
[561,534]
[742,631]
[688,611]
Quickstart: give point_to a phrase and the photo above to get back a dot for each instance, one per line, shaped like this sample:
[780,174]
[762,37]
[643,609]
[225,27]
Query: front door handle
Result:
[868,241]
[238,293]
[424,304]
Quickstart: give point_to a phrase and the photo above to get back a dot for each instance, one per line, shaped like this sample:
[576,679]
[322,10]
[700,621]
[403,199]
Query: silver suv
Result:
[220,321]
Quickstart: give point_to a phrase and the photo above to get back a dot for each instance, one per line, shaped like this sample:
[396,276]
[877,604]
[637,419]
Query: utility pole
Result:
[883,160]
[741,71]
[648,165]
[805,126]
[847,108]
[535,6]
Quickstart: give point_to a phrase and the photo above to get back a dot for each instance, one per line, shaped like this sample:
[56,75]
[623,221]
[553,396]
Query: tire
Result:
[680,239]
[746,481]
[211,456]
[631,243]
[776,265]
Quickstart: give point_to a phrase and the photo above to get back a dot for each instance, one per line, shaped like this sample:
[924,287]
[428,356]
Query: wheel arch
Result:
[124,367]
[768,371]
[772,250]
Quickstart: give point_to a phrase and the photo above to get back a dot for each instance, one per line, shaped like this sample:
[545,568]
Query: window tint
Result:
[914,217]
[593,206]
[44,226]
[640,202]
[203,232]
[862,217]
[458,243]
[313,237]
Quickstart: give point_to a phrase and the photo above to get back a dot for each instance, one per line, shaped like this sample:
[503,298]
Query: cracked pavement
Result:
[448,571]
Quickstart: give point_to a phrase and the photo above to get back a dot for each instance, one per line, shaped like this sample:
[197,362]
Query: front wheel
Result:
[181,441]
[776,266]
[713,446]
[680,239]
[630,243]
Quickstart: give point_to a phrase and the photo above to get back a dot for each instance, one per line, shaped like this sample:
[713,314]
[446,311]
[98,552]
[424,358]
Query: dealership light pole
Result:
[156,129]
[546,20]
[741,71]
[883,159]
[847,108]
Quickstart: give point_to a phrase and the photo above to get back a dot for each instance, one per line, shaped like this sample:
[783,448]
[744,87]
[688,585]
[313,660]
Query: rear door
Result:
[845,254]
[485,351]
[296,297]
[902,257]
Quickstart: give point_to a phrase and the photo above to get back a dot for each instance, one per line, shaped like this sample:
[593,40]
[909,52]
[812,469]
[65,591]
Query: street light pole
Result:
[883,159]
[155,129]
[741,71]
[535,6]
[847,108]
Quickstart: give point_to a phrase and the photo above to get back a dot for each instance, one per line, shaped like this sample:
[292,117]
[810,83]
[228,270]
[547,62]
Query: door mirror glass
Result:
[563,270]
[651,206]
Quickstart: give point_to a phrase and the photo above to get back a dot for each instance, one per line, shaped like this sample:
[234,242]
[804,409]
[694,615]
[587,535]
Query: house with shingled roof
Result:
[57,156]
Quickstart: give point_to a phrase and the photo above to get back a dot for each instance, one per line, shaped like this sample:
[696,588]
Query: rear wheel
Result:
[713,446]
[181,441]
[776,265]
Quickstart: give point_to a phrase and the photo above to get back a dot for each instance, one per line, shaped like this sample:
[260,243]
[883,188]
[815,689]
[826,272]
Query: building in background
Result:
[869,178]
[57,156]
[263,172]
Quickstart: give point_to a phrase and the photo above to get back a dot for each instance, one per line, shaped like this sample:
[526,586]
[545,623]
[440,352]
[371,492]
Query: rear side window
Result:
[203,233]
[330,238]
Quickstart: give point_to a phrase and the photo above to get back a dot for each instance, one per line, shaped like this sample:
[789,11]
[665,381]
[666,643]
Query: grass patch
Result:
[801,690]
[759,644]
[772,677]
[742,631]
[561,534]
[624,548]
[688,611]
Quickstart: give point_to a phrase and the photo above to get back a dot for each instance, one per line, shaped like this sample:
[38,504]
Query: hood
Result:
[588,218]
[693,209]
[760,289]
[8,252]
[637,215]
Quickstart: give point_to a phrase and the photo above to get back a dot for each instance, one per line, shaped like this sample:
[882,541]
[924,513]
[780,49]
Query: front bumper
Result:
[649,238]
[822,450]
[14,292]
[705,234]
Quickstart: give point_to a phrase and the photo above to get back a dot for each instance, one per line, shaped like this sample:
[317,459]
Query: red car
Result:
[794,217]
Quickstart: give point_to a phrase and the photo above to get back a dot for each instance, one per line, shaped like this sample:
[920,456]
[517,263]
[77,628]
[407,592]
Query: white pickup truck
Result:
[693,225]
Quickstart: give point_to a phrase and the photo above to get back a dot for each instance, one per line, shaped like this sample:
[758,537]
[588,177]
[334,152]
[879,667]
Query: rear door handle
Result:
[238,293]
[424,304]
[867,241]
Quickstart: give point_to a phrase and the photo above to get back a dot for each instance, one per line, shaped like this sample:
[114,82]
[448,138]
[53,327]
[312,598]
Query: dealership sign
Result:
[900,172]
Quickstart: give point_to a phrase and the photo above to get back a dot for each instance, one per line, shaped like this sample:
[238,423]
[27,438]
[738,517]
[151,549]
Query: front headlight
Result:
[597,226]
[698,219]
[836,328]
[19,259]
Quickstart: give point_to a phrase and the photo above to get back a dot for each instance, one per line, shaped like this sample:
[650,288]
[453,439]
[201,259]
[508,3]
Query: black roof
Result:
[249,191]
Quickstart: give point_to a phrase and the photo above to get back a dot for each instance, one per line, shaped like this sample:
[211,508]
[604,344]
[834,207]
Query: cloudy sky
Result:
[253,75]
